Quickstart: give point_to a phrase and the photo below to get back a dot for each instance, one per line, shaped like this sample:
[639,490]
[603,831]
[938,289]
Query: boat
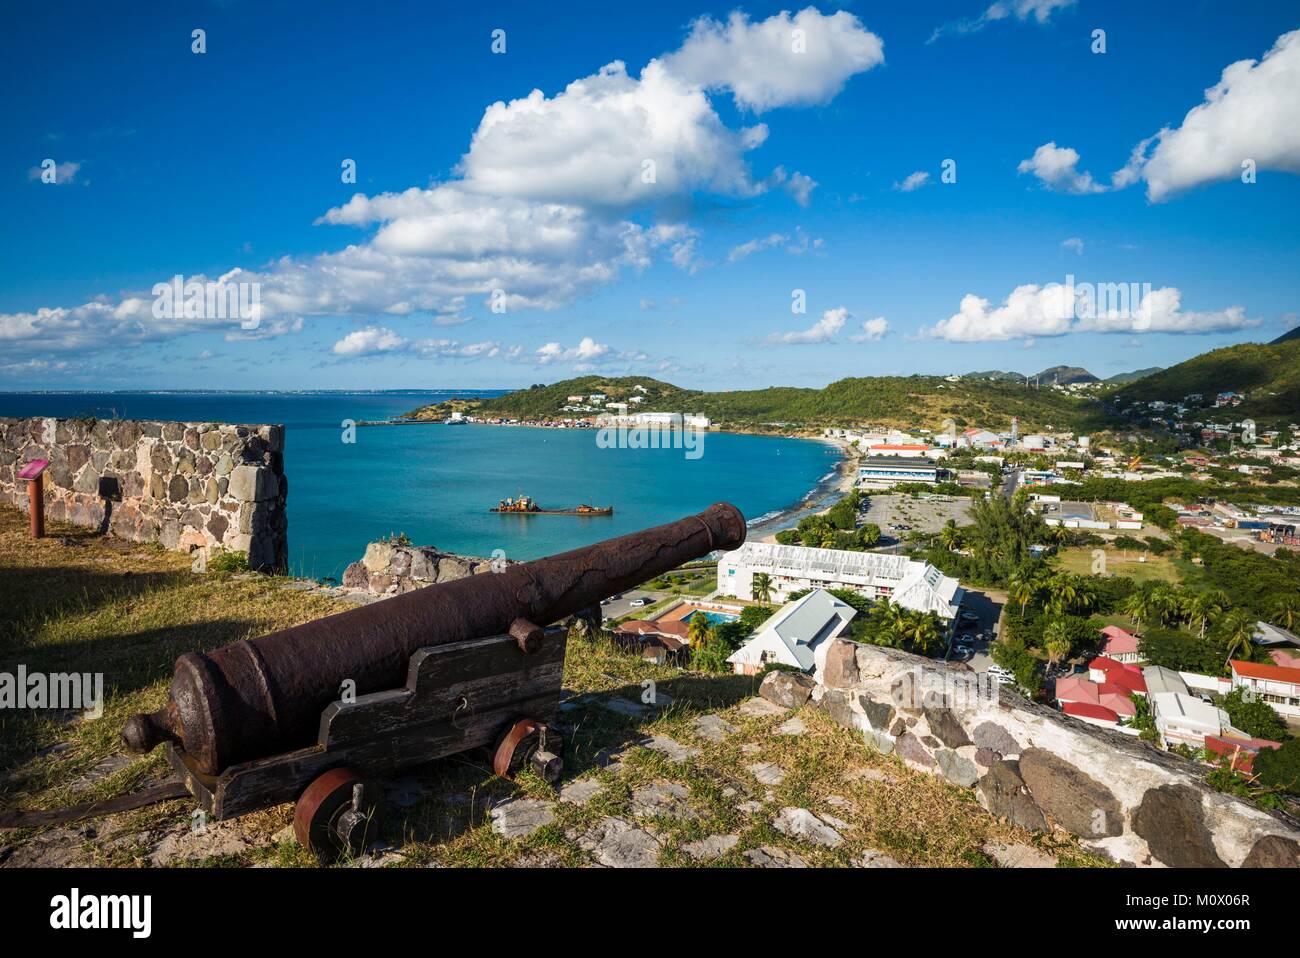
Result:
[526,506]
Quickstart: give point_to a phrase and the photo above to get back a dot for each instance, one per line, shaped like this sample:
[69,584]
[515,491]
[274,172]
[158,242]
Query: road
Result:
[617,608]
[988,606]
[1011,483]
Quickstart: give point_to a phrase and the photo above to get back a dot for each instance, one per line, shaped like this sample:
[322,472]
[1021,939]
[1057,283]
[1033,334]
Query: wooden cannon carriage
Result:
[467,695]
[441,670]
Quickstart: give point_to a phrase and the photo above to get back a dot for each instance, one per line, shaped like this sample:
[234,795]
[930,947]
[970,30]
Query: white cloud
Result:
[1055,310]
[873,330]
[1038,10]
[822,331]
[914,181]
[1073,243]
[755,245]
[1057,168]
[549,202]
[761,62]
[366,342]
[586,352]
[1252,113]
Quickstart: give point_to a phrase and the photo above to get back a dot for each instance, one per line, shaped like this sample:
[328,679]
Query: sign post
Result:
[33,472]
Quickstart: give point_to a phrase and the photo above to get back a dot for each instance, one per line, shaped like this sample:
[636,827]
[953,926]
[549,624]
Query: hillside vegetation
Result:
[911,401]
[1268,373]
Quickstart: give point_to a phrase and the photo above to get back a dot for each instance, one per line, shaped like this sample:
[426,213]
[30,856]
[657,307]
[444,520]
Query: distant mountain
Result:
[997,375]
[1287,336]
[1268,373]
[1064,375]
[1134,376]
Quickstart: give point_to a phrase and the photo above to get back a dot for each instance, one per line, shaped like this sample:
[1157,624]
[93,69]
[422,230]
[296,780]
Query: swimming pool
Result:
[715,618]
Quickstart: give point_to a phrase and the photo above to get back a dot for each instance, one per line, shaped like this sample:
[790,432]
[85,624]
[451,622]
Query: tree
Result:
[1203,608]
[1257,719]
[950,535]
[1022,587]
[1286,611]
[1280,767]
[921,631]
[761,588]
[1056,640]
[700,631]
[1238,633]
[1138,606]
[869,535]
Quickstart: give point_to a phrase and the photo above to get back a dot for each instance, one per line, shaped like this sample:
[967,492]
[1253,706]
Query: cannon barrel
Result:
[257,697]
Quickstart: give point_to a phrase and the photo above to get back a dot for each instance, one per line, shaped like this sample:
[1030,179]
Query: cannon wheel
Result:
[529,742]
[339,812]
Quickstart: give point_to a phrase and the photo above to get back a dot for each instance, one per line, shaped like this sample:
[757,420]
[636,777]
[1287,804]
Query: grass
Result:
[1156,568]
[79,602]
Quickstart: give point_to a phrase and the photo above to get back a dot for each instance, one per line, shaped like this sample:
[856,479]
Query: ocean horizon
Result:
[435,483]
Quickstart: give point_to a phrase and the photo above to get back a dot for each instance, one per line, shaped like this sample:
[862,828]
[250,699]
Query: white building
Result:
[914,585]
[1184,720]
[1274,684]
[797,635]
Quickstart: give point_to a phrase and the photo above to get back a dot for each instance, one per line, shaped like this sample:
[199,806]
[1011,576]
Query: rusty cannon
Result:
[317,712]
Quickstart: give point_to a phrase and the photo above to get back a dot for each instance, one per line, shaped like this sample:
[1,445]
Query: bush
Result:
[228,562]
[788,537]
[1280,767]
[1257,719]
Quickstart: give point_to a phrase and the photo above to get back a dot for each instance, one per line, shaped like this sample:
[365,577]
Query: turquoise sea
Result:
[435,483]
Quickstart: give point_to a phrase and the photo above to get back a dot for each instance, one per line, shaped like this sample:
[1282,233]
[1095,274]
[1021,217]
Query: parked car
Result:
[637,602]
[999,671]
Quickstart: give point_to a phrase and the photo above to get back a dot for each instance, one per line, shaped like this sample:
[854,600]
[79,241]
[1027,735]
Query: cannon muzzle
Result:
[258,697]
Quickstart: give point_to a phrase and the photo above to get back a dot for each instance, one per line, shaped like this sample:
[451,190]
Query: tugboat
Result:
[525,506]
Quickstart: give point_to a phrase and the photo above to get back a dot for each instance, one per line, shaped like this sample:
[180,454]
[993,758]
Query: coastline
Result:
[830,489]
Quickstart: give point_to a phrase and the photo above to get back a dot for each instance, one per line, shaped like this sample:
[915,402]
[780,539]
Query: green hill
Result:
[1064,375]
[1134,376]
[903,401]
[1268,373]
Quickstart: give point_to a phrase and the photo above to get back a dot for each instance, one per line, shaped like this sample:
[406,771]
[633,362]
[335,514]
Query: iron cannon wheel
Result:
[340,812]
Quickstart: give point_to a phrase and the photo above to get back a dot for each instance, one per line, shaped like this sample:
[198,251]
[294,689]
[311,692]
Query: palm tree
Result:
[1203,608]
[1064,591]
[1165,604]
[1022,588]
[1056,640]
[700,631]
[761,589]
[950,535]
[1238,635]
[922,631]
[1138,606]
[1286,611]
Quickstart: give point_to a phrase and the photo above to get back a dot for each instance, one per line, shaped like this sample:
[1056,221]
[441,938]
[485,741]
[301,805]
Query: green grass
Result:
[1119,563]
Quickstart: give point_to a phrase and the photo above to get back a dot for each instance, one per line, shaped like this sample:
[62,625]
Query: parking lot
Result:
[987,607]
[617,608]
[891,512]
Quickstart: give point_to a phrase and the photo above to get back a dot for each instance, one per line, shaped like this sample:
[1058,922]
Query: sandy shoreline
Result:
[829,490]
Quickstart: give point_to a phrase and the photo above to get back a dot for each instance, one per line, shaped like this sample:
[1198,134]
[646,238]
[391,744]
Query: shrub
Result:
[228,562]
[1257,719]
[1280,767]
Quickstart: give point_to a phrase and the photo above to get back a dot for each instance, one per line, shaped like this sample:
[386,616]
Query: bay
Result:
[435,483]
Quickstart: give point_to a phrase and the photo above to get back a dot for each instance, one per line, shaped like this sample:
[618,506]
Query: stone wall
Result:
[188,486]
[1040,769]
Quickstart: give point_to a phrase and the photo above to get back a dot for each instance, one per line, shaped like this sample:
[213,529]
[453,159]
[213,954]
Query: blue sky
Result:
[776,170]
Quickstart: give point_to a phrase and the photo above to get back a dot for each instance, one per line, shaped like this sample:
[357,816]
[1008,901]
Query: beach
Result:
[830,489]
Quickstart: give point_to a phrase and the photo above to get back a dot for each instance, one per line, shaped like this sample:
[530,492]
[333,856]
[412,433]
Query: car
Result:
[1205,697]
[637,602]
[998,670]
[969,616]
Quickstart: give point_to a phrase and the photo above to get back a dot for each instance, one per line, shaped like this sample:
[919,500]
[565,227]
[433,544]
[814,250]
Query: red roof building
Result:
[1120,645]
[1088,711]
[1128,677]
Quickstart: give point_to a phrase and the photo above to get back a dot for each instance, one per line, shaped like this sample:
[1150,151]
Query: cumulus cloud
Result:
[587,351]
[1057,168]
[1073,243]
[822,331]
[913,181]
[1056,309]
[755,245]
[1039,10]
[366,342]
[873,330]
[781,61]
[376,340]
[1252,115]
[555,196]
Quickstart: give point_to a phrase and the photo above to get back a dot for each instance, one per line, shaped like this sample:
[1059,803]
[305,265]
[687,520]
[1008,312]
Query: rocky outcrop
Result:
[1042,770]
[193,487]
[393,566]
